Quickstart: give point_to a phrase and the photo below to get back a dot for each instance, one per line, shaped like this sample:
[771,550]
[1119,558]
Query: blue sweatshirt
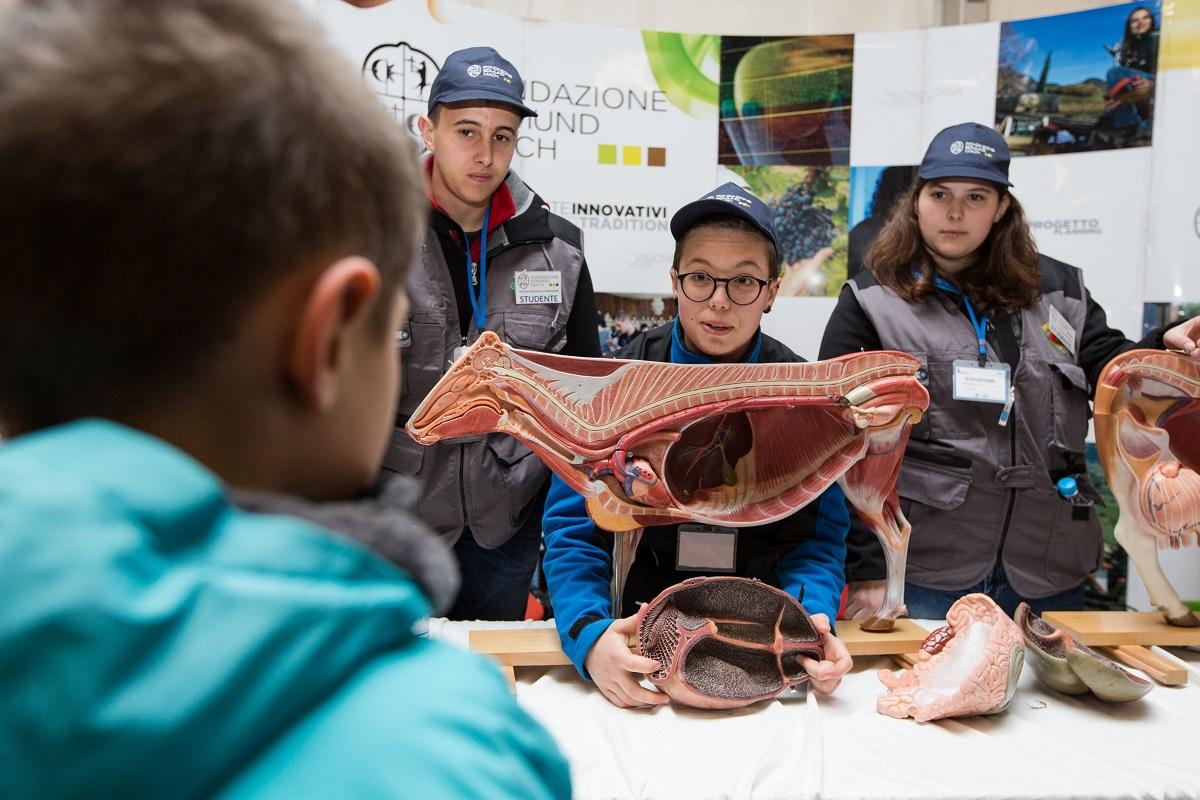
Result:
[579,570]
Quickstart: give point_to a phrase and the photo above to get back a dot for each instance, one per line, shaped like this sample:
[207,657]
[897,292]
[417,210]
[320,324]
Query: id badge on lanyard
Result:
[706,548]
[989,383]
[981,380]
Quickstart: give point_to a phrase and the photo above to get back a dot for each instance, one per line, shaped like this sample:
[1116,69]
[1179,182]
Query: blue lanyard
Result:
[479,304]
[979,325]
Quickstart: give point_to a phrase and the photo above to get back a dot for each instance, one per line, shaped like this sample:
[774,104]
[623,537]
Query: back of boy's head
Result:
[163,167]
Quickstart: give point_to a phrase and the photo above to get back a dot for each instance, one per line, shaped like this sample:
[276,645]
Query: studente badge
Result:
[706,548]
[543,286]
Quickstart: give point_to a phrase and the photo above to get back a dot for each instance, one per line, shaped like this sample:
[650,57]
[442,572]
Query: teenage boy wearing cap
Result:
[955,279]
[486,227]
[725,275]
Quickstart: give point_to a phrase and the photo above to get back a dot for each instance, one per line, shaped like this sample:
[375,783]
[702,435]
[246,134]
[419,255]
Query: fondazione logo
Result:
[400,75]
[1068,227]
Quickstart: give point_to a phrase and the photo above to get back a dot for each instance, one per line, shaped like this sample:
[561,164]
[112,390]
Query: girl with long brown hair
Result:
[1011,344]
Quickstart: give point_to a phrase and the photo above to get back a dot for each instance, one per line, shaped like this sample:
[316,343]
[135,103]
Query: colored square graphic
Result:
[656,156]
[606,153]
[631,155]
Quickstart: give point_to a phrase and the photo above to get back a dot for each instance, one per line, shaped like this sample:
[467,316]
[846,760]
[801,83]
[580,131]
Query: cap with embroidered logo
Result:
[967,150]
[479,73]
[728,199]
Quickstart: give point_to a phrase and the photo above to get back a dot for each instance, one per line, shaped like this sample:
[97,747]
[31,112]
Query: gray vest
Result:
[979,490]
[485,482]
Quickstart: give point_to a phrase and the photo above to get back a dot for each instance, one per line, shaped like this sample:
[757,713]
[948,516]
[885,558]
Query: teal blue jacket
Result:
[156,641]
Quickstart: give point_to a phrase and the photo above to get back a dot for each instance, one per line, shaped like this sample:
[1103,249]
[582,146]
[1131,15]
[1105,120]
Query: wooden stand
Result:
[905,637]
[539,647]
[1124,636]
[1122,627]
[519,647]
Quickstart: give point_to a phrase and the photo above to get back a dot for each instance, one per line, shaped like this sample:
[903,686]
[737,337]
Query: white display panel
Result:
[1089,210]
[1173,255]
[889,98]
[960,78]
[799,322]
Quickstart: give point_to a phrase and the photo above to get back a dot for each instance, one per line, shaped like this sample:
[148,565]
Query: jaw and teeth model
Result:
[968,667]
[739,445]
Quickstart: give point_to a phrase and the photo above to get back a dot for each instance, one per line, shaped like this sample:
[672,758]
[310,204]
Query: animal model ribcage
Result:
[726,642]
[649,443]
[1148,437]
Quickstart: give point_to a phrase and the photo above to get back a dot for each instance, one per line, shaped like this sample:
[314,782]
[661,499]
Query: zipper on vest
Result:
[1017,327]
[1012,493]
[462,489]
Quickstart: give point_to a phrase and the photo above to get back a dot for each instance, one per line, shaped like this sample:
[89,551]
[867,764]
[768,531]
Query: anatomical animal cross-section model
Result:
[649,443]
[1074,668]
[726,642]
[1148,437]
[968,667]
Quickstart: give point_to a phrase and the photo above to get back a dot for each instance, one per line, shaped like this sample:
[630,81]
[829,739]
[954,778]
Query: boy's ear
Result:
[771,290]
[674,277]
[340,298]
[425,127]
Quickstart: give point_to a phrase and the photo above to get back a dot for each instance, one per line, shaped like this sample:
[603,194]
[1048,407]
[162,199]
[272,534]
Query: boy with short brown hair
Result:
[206,225]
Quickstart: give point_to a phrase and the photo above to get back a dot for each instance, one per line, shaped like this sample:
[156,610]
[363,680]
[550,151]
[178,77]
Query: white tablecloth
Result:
[1046,745]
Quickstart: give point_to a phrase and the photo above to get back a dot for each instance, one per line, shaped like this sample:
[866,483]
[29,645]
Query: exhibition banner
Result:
[827,130]
[613,153]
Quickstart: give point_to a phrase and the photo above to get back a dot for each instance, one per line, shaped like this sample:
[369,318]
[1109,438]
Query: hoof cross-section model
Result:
[968,667]
[649,443]
[726,642]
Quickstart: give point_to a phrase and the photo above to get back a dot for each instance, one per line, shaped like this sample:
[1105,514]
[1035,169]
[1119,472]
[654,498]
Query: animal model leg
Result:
[870,488]
[1142,548]
[893,531]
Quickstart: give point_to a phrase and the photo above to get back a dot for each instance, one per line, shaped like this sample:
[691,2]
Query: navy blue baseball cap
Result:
[967,150]
[728,199]
[479,73]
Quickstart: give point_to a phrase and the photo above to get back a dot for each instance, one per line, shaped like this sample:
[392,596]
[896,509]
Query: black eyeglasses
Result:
[740,289]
